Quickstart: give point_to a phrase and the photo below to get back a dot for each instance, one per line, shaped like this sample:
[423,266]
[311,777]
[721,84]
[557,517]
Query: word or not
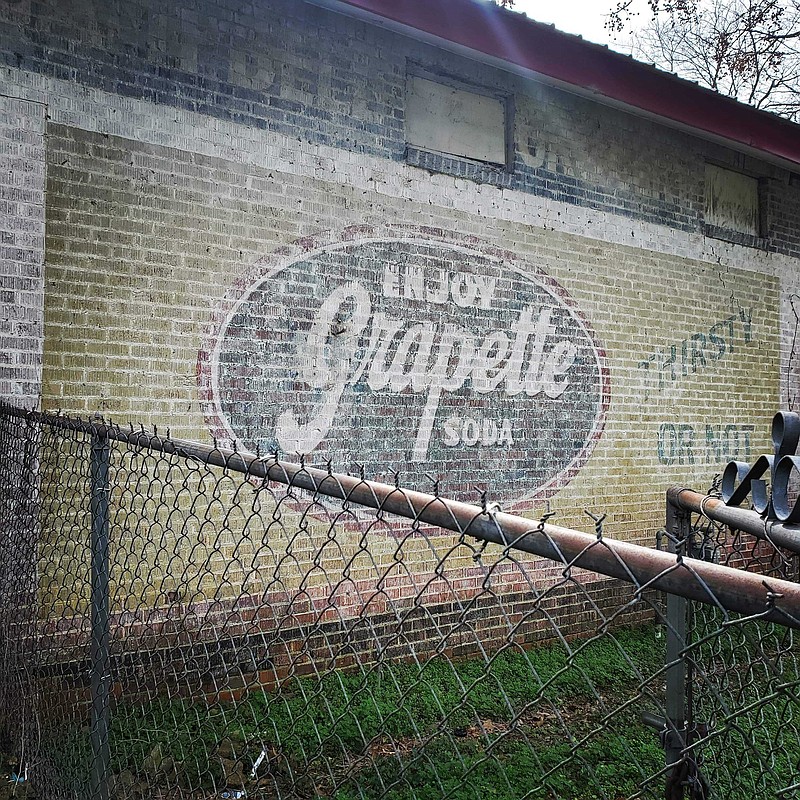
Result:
[682,444]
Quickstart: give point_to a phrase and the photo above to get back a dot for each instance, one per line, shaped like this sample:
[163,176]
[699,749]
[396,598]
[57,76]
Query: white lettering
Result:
[524,329]
[384,329]
[485,286]
[415,338]
[427,359]
[464,290]
[470,432]
[487,374]
[559,361]
[439,381]
[323,370]
[489,432]
[414,286]
[391,282]
[452,435]
[438,289]
[413,282]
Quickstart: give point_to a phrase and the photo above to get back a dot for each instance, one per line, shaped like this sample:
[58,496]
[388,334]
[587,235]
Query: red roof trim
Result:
[517,40]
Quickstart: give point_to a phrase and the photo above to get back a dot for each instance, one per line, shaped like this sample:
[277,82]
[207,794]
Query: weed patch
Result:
[555,722]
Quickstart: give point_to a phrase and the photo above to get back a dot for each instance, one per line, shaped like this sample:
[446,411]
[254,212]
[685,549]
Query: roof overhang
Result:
[483,31]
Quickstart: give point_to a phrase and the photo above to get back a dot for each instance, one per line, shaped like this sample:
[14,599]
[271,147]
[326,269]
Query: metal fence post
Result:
[100,601]
[678,729]
[678,526]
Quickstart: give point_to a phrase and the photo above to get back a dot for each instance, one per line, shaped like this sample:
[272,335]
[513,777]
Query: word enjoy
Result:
[439,286]
[428,358]
[740,479]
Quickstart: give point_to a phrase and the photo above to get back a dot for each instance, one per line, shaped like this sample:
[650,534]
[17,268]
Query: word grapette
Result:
[427,359]
[415,352]
[741,480]
[695,353]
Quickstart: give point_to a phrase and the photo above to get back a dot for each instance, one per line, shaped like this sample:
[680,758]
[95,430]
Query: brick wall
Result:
[21,249]
[192,241]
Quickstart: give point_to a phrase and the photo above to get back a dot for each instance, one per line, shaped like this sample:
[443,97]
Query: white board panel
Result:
[731,200]
[444,119]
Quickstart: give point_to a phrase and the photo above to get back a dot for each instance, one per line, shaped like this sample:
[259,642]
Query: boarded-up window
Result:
[446,119]
[731,201]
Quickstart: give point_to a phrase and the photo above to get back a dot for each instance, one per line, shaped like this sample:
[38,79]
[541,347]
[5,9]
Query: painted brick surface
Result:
[235,63]
[232,210]
[198,235]
[21,249]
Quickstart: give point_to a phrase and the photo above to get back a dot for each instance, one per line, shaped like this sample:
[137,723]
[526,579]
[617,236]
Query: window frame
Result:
[506,98]
[759,239]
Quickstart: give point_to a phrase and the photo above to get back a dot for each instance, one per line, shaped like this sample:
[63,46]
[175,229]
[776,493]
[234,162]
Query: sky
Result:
[584,17]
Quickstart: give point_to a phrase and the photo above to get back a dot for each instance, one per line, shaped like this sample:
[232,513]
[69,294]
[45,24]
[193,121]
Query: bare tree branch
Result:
[747,49]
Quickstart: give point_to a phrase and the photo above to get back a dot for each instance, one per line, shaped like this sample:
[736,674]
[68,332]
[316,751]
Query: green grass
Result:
[540,723]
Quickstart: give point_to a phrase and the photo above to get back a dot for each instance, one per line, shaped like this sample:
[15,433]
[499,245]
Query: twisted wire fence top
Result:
[289,631]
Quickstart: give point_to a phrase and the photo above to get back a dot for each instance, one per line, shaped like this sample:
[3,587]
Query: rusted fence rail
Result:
[747,520]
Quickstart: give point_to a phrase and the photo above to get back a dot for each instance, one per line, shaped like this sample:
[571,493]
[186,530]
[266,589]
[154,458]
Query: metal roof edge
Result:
[513,42]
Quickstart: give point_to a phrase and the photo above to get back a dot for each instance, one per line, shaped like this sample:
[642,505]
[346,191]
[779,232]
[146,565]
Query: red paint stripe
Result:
[540,48]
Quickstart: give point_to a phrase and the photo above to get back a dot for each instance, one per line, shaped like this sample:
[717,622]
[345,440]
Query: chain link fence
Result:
[183,621]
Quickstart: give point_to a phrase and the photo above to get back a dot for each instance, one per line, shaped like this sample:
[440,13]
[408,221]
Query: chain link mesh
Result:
[744,677]
[238,636]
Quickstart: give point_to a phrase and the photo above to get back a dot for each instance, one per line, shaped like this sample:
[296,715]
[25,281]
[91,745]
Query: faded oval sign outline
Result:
[299,255]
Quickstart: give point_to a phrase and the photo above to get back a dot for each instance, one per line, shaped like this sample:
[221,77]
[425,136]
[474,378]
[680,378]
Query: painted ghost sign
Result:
[410,351]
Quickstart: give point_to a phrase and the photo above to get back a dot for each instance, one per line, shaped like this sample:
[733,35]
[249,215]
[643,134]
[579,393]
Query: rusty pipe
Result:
[714,584]
[740,519]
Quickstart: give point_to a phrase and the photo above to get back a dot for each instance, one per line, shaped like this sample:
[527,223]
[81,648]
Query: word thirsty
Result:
[428,358]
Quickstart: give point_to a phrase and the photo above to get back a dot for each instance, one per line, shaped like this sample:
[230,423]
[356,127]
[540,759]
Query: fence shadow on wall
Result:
[184,621]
